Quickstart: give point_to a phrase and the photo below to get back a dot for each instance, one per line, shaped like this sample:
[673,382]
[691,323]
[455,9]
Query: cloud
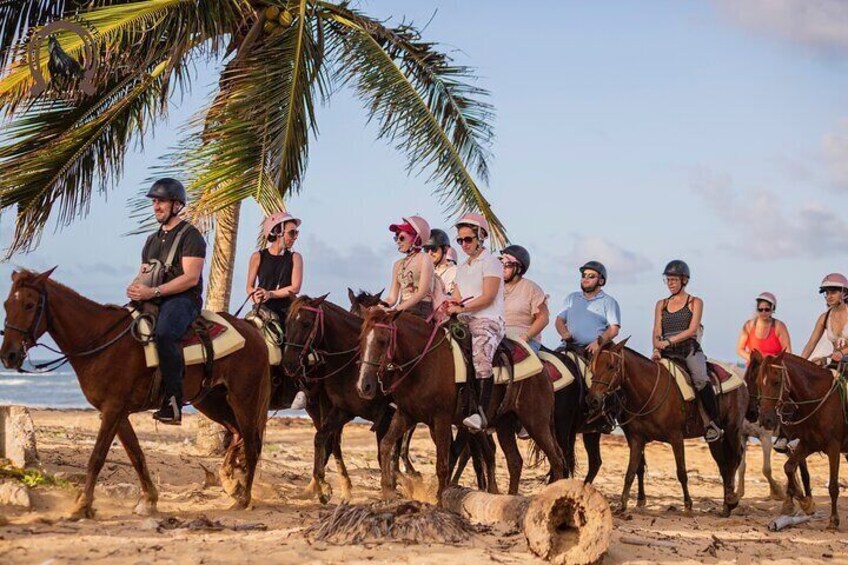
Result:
[835,149]
[821,24]
[763,228]
[336,270]
[623,265]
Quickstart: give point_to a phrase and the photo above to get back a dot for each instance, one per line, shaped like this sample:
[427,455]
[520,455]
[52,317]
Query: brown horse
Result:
[655,411]
[327,332]
[810,405]
[115,379]
[403,356]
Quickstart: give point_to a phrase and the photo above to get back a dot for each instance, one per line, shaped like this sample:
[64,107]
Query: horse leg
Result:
[833,486]
[733,455]
[566,423]
[641,499]
[637,446]
[805,479]
[407,466]
[341,467]
[514,461]
[440,431]
[251,429]
[682,477]
[388,454]
[776,491]
[109,422]
[327,439]
[743,467]
[592,445]
[149,496]
[792,491]
[540,427]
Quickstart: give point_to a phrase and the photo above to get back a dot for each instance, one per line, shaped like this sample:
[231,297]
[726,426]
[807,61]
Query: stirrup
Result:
[781,445]
[300,401]
[170,413]
[523,433]
[713,433]
[475,422]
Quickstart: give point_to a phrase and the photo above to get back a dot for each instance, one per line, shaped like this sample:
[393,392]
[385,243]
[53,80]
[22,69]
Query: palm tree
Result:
[281,57]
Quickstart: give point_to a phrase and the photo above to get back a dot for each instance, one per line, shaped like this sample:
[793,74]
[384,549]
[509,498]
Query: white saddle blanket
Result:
[526,368]
[229,341]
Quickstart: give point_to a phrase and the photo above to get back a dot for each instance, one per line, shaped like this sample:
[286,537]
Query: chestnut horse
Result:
[654,410]
[115,379]
[407,357]
[330,333]
[810,405]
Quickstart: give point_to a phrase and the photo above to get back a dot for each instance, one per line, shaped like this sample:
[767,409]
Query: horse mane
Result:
[304,300]
[805,364]
[25,275]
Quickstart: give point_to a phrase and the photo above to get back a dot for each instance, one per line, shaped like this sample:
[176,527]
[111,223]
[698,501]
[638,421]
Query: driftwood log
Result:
[567,522]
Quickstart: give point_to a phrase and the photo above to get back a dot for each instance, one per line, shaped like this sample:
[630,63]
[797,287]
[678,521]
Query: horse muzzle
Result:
[594,402]
[367,387]
[768,419]
[13,358]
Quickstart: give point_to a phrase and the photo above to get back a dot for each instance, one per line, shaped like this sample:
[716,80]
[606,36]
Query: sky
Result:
[631,132]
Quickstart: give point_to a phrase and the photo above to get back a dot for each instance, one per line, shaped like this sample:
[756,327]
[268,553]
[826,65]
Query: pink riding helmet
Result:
[768,297]
[451,253]
[419,224]
[474,219]
[834,280]
[276,219]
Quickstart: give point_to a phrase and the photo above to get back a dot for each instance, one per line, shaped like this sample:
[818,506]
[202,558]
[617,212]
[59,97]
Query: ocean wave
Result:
[35,375]
[14,382]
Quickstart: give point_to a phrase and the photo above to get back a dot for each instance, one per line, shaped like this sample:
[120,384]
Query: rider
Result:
[275,274]
[413,277]
[590,318]
[179,295]
[525,303]
[438,248]
[834,322]
[677,323]
[478,297]
[763,332]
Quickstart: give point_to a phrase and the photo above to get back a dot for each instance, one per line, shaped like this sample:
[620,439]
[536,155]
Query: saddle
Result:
[272,329]
[724,378]
[514,360]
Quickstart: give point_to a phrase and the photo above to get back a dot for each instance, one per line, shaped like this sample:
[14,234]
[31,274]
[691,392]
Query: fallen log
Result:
[567,522]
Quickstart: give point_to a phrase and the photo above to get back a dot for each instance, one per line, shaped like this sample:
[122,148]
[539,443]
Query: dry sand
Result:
[116,535]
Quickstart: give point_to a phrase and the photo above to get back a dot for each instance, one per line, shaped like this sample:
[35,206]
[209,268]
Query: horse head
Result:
[360,302]
[772,380]
[26,316]
[753,412]
[607,369]
[378,344]
[303,328]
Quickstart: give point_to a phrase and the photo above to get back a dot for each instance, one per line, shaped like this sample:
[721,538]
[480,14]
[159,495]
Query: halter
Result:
[783,397]
[622,374]
[316,334]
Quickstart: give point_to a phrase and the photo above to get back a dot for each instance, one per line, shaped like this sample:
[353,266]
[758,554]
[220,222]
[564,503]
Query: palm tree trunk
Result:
[210,436]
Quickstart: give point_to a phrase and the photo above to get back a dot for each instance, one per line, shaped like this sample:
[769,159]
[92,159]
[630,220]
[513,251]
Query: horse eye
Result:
[29,306]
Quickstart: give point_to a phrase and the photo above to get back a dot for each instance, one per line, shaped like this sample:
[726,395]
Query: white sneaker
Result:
[475,422]
[791,445]
[299,402]
[780,445]
[523,433]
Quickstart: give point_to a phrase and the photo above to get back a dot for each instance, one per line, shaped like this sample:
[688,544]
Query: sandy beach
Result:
[273,531]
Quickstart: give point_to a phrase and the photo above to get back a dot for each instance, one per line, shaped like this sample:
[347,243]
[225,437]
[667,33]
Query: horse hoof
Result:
[324,498]
[833,526]
[241,504]
[808,505]
[776,493]
[389,495]
[145,508]
[81,513]
[726,510]
[622,508]
[641,503]
[788,507]
[687,505]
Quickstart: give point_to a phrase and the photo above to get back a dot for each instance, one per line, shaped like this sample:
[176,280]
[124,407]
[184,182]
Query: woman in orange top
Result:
[764,333]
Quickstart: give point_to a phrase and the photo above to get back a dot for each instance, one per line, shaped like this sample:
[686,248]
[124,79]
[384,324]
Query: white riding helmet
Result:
[474,219]
[276,219]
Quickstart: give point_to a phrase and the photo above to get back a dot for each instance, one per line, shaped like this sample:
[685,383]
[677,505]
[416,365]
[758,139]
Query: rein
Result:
[621,373]
[316,334]
[785,390]
[29,340]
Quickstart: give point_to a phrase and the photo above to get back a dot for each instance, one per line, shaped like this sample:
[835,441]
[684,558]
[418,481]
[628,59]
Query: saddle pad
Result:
[228,341]
[530,366]
[275,353]
[582,366]
[559,374]
[681,377]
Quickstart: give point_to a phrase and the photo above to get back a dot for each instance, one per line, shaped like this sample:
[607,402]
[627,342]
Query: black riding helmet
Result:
[168,189]
[521,255]
[598,267]
[677,268]
[438,238]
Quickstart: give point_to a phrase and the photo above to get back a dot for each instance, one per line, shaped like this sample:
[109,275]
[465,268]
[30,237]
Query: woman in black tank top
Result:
[677,322]
[275,273]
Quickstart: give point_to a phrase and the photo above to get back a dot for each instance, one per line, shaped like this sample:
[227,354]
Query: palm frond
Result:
[136,34]
[81,147]
[418,113]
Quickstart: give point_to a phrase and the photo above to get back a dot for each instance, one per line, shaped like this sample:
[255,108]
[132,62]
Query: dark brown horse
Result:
[654,410]
[329,334]
[810,405]
[115,379]
[402,356]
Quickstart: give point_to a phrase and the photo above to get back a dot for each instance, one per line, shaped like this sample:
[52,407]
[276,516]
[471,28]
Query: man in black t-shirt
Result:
[179,295]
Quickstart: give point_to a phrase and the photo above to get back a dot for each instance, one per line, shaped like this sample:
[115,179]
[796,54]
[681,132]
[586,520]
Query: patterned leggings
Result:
[486,335]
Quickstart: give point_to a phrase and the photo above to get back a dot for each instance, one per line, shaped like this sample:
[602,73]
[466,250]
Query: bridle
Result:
[784,405]
[307,348]
[28,339]
[620,372]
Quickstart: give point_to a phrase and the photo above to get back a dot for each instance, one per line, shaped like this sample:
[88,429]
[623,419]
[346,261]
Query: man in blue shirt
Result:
[591,318]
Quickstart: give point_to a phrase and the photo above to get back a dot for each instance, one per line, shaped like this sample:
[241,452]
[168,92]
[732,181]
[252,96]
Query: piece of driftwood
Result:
[567,522]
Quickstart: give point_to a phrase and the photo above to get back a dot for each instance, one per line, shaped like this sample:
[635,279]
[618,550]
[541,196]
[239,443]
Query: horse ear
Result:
[756,356]
[320,300]
[620,345]
[40,278]
[351,296]
[379,295]
[15,275]
[778,359]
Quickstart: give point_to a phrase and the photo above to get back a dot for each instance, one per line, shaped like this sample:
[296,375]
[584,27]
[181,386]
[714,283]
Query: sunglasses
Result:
[292,233]
[466,240]
[401,237]
[509,265]
[590,276]
[766,309]
[430,248]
